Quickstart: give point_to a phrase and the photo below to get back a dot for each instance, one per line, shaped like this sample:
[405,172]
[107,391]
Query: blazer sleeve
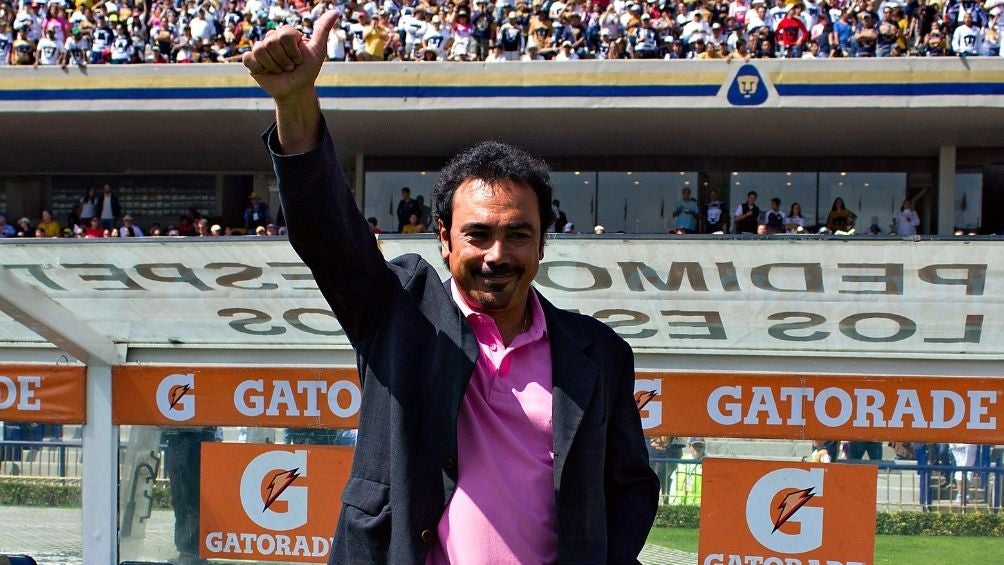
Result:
[632,487]
[330,234]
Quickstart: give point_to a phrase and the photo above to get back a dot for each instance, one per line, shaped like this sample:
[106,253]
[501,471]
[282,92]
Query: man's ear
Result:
[444,239]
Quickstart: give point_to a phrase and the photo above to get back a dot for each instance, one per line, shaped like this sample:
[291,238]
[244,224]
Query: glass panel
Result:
[968,201]
[577,193]
[635,202]
[874,197]
[383,192]
[40,479]
[160,483]
[790,187]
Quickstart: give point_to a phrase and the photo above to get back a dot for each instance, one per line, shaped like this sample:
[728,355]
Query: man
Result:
[6,230]
[50,225]
[967,38]
[747,214]
[774,219]
[48,52]
[406,207]
[108,208]
[686,214]
[473,390]
[257,214]
[714,218]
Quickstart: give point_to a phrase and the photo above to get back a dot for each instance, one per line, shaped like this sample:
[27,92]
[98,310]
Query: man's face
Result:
[686,193]
[774,206]
[751,199]
[106,189]
[493,248]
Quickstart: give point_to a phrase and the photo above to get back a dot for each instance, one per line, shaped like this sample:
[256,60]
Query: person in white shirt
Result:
[75,49]
[129,229]
[696,29]
[48,51]
[967,38]
[566,53]
[906,222]
[415,28]
[532,53]
[6,43]
[437,37]
[336,41]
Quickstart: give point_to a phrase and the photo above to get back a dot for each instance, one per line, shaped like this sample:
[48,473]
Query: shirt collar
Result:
[537,329]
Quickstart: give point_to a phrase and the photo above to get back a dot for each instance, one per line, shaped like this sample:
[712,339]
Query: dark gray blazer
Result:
[415,355]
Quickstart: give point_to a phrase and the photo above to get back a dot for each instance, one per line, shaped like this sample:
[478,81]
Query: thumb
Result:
[322,27]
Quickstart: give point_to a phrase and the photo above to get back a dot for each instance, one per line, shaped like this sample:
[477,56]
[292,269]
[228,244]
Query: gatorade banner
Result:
[786,513]
[812,406]
[272,503]
[52,394]
[279,397]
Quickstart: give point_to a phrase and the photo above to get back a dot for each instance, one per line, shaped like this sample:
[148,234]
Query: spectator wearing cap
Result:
[256,214]
[866,38]
[510,39]
[791,34]
[532,53]
[48,52]
[645,38]
[696,29]
[599,230]
[75,49]
[129,228]
[216,230]
[566,53]
[462,48]
[101,40]
[608,47]
[24,229]
[437,39]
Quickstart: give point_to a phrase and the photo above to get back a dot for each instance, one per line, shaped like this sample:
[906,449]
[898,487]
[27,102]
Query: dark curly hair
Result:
[491,161]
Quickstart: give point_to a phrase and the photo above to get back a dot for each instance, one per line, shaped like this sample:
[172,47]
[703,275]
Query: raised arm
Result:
[326,228]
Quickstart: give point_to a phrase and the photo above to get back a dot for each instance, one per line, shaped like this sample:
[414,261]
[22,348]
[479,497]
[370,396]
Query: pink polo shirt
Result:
[503,507]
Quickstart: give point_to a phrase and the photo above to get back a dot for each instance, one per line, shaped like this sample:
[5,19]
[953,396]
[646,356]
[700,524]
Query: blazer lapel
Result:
[574,376]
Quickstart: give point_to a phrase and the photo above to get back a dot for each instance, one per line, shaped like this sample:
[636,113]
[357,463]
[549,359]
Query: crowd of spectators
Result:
[58,32]
[99,215]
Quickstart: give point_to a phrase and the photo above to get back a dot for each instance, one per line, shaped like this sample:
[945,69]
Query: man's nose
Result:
[495,251]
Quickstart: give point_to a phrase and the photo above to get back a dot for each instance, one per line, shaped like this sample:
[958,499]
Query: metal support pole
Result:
[100,481]
[946,190]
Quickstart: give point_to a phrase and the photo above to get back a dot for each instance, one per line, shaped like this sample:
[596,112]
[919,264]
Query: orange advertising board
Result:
[812,406]
[42,393]
[235,396]
[273,503]
[786,513]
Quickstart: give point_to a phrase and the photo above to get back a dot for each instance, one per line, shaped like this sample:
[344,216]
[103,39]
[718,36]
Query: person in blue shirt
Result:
[686,213]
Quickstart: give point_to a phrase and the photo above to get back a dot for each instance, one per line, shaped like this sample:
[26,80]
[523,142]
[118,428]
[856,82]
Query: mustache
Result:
[500,270]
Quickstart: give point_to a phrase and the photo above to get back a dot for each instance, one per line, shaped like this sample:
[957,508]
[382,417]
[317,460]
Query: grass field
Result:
[889,550]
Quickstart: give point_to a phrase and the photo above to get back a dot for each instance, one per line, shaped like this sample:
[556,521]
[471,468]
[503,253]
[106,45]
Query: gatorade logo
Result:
[778,498]
[748,88]
[175,398]
[786,513]
[259,502]
[268,480]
